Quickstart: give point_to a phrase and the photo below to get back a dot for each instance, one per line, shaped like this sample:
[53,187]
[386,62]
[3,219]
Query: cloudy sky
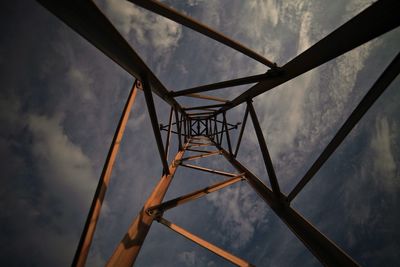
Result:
[61,98]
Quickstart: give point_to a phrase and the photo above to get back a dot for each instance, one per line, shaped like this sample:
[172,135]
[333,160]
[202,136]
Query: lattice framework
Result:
[202,126]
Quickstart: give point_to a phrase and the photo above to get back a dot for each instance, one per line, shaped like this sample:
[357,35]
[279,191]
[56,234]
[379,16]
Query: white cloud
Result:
[188,258]
[147,28]
[80,81]
[240,213]
[384,164]
[63,166]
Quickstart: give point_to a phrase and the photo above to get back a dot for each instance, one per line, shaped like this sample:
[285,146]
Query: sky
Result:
[61,98]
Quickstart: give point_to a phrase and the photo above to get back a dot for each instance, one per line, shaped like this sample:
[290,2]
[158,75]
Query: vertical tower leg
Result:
[128,249]
[82,250]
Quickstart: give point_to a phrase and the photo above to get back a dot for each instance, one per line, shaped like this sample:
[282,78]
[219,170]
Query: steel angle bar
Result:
[161,208]
[325,250]
[229,124]
[89,21]
[369,99]
[128,249]
[199,145]
[168,139]
[227,174]
[179,128]
[228,139]
[86,238]
[229,129]
[264,150]
[204,107]
[372,22]
[198,150]
[200,113]
[202,155]
[246,113]
[165,11]
[154,123]
[218,251]
[221,85]
[208,97]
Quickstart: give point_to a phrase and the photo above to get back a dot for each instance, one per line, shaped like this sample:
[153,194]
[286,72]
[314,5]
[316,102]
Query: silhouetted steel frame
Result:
[85,18]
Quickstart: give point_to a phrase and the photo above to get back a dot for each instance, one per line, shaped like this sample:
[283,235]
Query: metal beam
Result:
[168,139]
[218,251]
[325,250]
[94,212]
[246,113]
[204,107]
[264,151]
[200,113]
[154,123]
[227,174]
[89,21]
[221,85]
[369,24]
[128,249]
[166,11]
[205,155]
[369,99]
[208,97]
[228,139]
[179,128]
[161,208]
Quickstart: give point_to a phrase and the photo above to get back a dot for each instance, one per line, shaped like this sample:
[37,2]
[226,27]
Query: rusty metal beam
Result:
[168,139]
[89,21]
[179,128]
[204,107]
[369,24]
[246,113]
[94,212]
[166,11]
[369,99]
[221,85]
[264,151]
[198,150]
[161,208]
[325,250]
[205,155]
[208,97]
[128,249]
[154,123]
[218,251]
[228,139]
[200,113]
[227,174]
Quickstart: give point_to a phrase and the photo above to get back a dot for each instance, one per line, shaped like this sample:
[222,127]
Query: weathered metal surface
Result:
[128,249]
[246,113]
[264,151]
[221,85]
[88,20]
[325,250]
[228,174]
[168,12]
[154,123]
[218,251]
[159,209]
[369,24]
[86,238]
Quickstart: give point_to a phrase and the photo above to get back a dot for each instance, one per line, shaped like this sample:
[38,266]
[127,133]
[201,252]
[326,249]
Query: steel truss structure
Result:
[207,126]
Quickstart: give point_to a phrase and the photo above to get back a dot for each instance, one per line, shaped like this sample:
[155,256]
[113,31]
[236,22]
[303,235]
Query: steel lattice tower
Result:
[207,126]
